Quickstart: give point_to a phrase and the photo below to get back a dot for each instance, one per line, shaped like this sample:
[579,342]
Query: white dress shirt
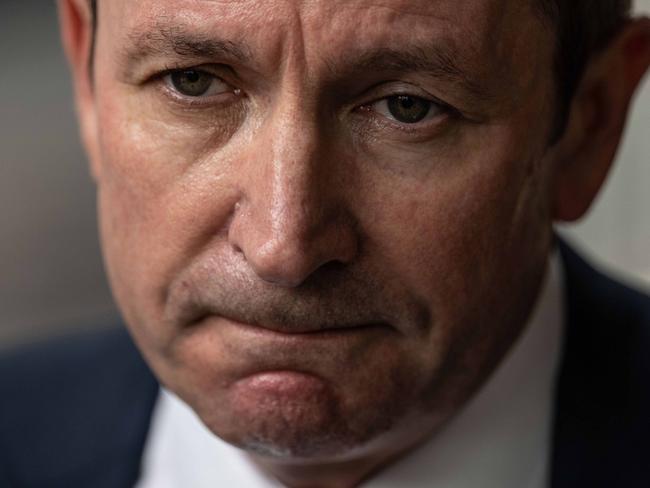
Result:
[500,439]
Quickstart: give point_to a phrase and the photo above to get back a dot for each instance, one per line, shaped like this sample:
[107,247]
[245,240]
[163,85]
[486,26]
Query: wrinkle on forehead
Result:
[169,37]
[491,39]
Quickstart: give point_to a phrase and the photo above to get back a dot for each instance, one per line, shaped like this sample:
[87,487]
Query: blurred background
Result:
[51,275]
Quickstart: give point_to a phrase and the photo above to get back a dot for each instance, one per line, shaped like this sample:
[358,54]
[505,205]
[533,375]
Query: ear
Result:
[597,117]
[76,25]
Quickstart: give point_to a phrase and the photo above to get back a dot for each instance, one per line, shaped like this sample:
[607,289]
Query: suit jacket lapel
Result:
[75,413]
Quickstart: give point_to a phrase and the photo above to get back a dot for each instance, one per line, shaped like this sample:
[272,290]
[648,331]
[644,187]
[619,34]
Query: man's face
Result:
[324,221]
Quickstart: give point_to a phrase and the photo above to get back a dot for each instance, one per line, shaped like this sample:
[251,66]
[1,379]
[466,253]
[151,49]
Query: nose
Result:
[292,219]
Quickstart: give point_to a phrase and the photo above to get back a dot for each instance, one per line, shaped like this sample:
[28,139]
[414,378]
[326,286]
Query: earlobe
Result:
[76,35]
[583,156]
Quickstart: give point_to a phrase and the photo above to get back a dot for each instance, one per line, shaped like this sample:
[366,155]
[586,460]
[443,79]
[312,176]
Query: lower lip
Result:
[281,381]
[267,360]
[282,386]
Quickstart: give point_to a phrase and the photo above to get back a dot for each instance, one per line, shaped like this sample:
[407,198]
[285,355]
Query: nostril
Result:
[286,244]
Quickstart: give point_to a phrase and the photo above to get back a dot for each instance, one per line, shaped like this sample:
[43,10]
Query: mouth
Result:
[283,326]
[298,331]
[237,349]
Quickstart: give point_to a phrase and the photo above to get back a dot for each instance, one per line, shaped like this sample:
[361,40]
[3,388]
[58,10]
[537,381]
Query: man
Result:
[328,225]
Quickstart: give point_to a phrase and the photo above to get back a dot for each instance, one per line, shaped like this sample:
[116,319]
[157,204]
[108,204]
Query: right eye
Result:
[196,83]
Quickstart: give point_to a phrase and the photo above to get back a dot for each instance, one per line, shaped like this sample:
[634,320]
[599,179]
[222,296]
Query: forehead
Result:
[493,49]
[321,11]
[471,26]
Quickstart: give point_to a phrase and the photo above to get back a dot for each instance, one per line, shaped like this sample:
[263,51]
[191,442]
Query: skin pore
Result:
[328,249]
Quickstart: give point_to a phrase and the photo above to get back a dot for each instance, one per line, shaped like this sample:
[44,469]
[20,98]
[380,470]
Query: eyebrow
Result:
[176,40]
[437,61]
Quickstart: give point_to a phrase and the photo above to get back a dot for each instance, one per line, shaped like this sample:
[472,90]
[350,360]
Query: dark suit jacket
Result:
[76,413]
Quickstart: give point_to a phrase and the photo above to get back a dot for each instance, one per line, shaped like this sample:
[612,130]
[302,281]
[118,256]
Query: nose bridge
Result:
[295,221]
[295,139]
[295,170]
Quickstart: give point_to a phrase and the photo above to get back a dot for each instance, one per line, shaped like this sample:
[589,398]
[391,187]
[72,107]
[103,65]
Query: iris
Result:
[191,82]
[408,109]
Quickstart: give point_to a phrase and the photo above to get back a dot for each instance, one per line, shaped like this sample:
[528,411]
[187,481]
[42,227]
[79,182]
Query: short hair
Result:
[582,27]
[93,21]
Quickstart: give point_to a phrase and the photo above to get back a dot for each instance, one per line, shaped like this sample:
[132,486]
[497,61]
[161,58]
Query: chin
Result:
[324,439]
[303,420]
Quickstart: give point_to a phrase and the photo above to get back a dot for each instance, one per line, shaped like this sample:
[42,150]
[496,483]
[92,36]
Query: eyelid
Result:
[162,79]
[435,111]
[396,88]
[168,82]
[390,129]
[214,69]
[399,88]
[444,113]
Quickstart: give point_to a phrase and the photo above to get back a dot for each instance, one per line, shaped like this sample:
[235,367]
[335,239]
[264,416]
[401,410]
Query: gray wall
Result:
[51,276]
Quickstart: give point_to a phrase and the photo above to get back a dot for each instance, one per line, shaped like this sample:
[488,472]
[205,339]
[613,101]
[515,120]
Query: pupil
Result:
[192,76]
[407,102]
[408,109]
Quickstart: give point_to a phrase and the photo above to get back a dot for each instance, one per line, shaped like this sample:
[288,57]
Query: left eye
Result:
[407,109]
[196,83]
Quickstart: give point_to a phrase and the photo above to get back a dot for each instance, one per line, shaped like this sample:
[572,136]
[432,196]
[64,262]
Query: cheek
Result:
[469,247]
[450,239]
[161,196]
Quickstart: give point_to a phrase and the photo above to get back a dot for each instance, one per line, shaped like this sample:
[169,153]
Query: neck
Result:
[347,472]
[333,474]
